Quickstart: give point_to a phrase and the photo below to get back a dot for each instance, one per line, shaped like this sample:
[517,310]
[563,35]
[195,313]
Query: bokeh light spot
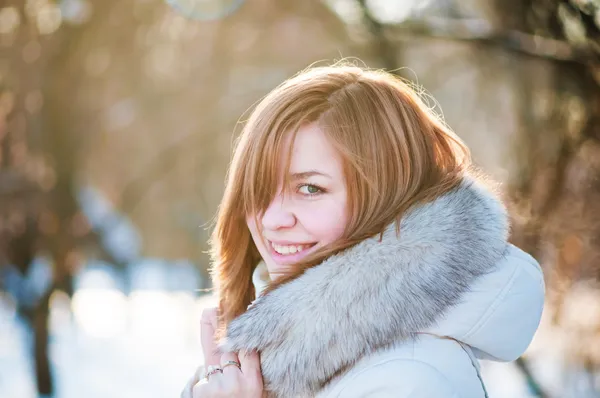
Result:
[9,20]
[205,10]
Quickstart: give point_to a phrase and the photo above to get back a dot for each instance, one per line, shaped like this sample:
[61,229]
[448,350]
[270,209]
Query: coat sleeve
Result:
[398,378]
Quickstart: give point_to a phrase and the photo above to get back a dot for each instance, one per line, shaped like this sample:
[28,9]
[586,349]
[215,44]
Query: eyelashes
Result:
[309,190]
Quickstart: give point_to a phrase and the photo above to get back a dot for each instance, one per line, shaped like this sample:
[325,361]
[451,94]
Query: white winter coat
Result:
[496,320]
[403,316]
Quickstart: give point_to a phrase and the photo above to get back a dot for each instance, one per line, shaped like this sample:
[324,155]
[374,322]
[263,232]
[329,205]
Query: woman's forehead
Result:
[312,152]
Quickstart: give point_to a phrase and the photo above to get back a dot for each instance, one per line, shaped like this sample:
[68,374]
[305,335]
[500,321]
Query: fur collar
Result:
[373,294]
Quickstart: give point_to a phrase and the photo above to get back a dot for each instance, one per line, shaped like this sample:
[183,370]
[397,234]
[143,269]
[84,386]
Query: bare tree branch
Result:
[480,30]
[385,49]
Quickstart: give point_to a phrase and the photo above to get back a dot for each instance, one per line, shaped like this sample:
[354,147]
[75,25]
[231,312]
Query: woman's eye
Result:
[308,189]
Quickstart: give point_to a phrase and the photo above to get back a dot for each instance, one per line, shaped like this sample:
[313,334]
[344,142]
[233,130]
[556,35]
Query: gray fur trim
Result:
[374,293]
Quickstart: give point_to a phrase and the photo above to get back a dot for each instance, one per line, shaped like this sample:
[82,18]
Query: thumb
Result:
[208,326]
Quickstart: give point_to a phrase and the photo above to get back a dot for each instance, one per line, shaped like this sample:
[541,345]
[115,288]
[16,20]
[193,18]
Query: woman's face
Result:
[313,215]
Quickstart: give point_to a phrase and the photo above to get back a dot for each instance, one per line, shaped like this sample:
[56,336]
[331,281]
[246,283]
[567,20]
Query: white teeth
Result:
[292,249]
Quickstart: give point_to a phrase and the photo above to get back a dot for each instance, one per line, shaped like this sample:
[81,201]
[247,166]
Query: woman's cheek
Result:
[324,225]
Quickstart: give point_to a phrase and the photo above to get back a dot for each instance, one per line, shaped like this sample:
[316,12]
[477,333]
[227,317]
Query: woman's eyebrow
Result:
[306,174]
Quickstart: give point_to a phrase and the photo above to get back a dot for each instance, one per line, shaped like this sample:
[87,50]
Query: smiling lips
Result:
[290,249]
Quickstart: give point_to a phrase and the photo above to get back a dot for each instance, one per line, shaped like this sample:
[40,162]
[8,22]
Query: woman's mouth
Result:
[289,253]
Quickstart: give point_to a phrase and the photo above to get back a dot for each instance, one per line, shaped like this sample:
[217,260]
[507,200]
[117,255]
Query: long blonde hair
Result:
[396,153]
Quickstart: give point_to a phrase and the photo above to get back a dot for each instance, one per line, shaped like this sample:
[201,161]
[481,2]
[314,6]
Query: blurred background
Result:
[116,127]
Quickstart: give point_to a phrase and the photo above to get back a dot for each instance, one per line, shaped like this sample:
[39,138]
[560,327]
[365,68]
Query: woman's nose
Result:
[278,215]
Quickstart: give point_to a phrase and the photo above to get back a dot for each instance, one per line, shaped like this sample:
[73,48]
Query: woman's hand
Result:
[233,381]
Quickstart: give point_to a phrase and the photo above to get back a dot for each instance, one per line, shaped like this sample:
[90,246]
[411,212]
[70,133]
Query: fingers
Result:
[208,326]
[201,390]
[188,389]
[198,375]
[250,362]
[209,315]
[230,369]
[231,382]
[253,379]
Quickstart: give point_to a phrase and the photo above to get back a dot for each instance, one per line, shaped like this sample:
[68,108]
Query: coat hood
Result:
[500,313]
[381,292]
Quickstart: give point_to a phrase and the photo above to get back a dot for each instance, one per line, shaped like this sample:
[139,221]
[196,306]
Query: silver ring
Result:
[211,370]
[231,363]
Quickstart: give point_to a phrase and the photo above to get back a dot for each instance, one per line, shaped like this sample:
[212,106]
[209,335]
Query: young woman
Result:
[388,271]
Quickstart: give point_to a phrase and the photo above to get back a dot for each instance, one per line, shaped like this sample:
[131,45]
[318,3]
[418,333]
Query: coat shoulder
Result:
[399,378]
[426,367]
